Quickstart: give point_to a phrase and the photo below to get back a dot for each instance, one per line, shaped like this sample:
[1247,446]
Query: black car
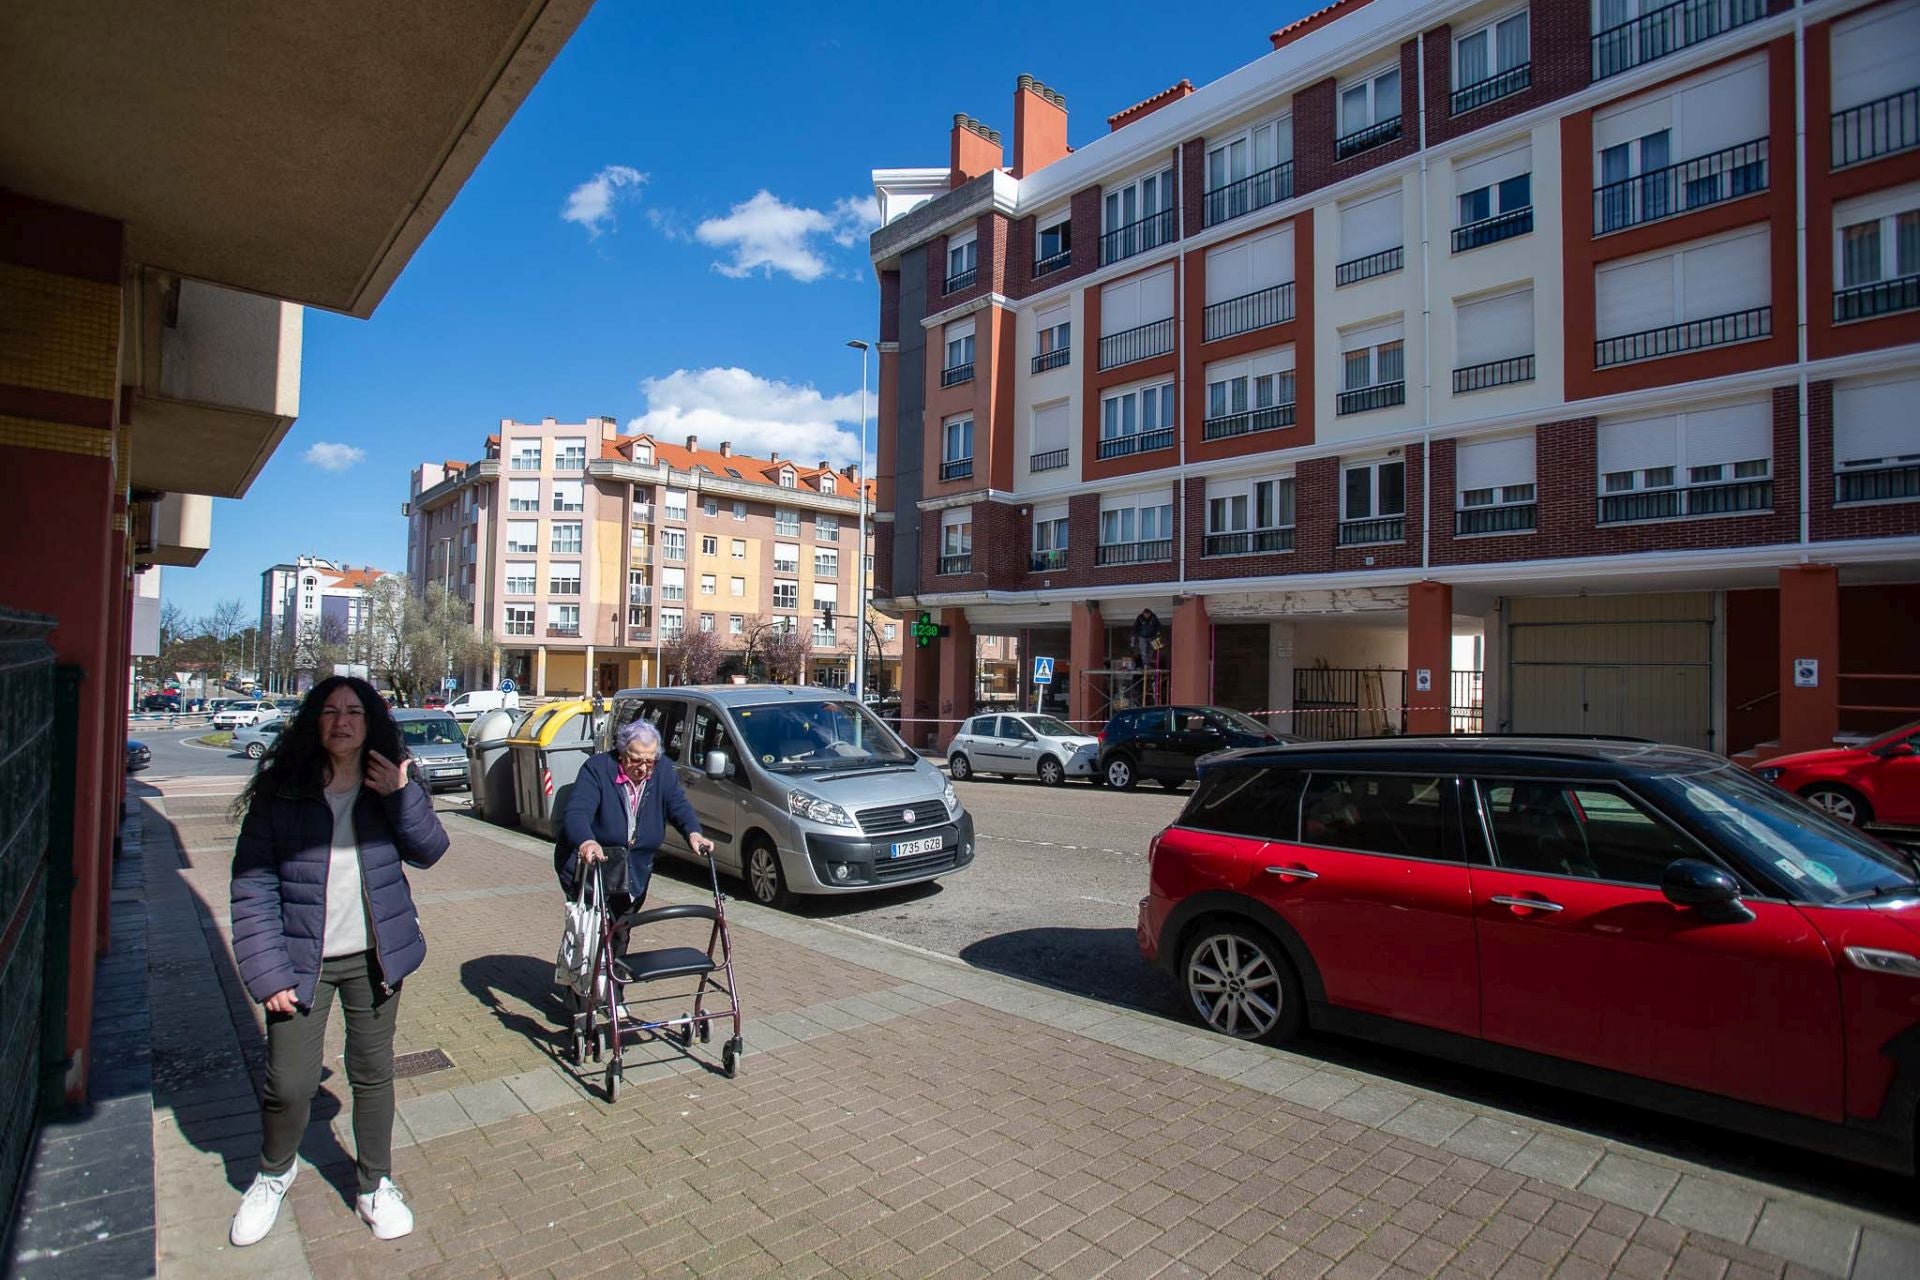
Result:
[1166,743]
[161,702]
[138,757]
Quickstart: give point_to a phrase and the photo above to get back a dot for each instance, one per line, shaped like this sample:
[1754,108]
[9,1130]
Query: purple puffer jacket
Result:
[280,884]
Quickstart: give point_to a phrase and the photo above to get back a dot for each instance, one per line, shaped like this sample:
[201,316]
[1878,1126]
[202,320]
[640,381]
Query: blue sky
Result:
[678,295]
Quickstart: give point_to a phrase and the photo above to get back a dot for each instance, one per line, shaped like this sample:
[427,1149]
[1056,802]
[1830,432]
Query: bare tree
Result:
[220,627]
[784,650]
[693,656]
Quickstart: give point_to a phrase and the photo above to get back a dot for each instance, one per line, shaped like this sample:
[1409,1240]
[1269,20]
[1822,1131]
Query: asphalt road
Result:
[177,755]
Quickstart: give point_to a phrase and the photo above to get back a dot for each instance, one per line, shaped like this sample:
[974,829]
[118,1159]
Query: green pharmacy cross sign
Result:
[925,630]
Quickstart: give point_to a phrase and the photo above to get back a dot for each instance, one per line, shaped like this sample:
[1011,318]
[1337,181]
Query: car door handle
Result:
[1529,904]
[1293,873]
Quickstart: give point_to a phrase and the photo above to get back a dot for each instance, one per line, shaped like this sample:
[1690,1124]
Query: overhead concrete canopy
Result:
[302,151]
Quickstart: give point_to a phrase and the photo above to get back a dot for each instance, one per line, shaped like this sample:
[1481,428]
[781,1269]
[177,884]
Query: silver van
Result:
[802,790]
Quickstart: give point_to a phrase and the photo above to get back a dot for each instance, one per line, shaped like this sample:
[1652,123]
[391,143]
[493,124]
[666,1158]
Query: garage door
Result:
[1638,666]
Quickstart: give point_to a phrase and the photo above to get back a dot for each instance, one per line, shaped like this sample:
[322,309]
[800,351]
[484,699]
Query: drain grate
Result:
[421,1063]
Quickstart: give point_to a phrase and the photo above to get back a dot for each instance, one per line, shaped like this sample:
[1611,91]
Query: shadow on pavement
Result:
[505,985]
[1103,964]
[806,906]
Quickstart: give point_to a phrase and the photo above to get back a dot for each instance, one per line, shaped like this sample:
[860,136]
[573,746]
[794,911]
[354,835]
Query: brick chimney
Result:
[1039,126]
[976,150]
[726,448]
[693,444]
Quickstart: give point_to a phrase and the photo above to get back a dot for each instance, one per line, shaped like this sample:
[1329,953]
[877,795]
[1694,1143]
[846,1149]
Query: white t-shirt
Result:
[346,904]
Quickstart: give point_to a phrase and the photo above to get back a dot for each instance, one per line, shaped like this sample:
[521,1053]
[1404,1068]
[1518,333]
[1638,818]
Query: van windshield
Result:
[811,737]
[439,731]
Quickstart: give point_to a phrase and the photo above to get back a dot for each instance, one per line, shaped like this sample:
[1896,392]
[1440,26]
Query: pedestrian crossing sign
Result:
[1043,670]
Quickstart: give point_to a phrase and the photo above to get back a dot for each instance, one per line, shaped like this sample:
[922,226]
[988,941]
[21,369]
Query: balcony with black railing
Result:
[1134,552]
[962,563]
[1247,542]
[1053,262]
[956,469]
[1374,135]
[1668,29]
[962,279]
[1382,395]
[1142,342]
[1877,128]
[954,375]
[1051,460]
[1501,226]
[1255,191]
[1666,192]
[1054,359]
[1360,533]
[563,631]
[1139,236]
[1512,517]
[1257,310]
[1494,373]
[1136,442]
[1688,335]
[1883,297]
[1493,88]
[1736,497]
[1050,561]
[1897,481]
[1247,422]
[1382,263]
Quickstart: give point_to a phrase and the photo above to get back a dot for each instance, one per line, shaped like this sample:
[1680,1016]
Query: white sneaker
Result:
[385,1210]
[259,1207]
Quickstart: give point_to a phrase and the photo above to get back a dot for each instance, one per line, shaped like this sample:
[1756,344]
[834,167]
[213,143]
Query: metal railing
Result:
[1688,335]
[1493,88]
[1347,702]
[1714,178]
[1255,191]
[1884,483]
[1356,533]
[1051,460]
[1247,542]
[639,635]
[1514,517]
[1877,128]
[1361,399]
[1501,226]
[1373,264]
[1052,359]
[962,279]
[1250,311]
[957,564]
[1878,299]
[1047,561]
[642,513]
[1136,442]
[1138,236]
[1494,373]
[1666,30]
[1133,552]
[642,553]
[957,374]
[1693,500]
[564,632]
[1270,418]
[1142,342]
[1366,139]
[957,469]
[1054,262]
[639,595]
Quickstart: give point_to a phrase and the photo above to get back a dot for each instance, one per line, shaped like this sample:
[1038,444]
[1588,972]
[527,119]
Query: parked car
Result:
[434,701]
[160,702]
[1876,782]
[1166,743]
[437,741]
[255,740]
[1022,745]
[238,715]
[139,756]
[802,791]
[470,705]
[1644,921]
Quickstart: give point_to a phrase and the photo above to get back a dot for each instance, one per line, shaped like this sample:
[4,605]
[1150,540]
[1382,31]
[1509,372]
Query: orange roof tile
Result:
[1147,106]
[1314,21]
[352,578]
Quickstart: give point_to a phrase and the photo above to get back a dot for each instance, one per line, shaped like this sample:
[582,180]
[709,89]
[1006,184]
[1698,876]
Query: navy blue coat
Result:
[596,810]
[280,870]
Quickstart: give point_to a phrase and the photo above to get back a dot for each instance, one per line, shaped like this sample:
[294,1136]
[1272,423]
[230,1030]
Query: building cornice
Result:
[721,487]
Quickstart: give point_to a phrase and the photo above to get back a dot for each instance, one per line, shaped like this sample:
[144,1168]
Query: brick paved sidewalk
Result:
[897,1114]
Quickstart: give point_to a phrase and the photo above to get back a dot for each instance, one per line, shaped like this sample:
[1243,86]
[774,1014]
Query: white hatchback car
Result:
[1022,744]
[238,715]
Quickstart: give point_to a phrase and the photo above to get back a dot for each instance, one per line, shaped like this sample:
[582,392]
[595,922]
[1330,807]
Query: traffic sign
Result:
[1043,670]
[506,686]
[449,683]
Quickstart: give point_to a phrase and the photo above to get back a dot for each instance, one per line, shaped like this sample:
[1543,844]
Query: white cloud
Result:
[333,457]
[591,203]
[757,414]
[766,234]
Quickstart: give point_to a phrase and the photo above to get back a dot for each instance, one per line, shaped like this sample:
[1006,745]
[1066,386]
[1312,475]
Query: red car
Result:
[1878,782]
[433,701]
[1625,918]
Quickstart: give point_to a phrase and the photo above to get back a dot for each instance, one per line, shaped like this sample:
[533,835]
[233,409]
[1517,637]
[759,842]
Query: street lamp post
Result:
[860,550]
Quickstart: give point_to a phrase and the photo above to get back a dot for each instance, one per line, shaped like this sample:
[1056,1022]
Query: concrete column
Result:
[1280,675]
[1192,659]
[957,676]
[1429,649]
[1809,629]
[540,672]
[919,692]
[590,684]
[1087,652]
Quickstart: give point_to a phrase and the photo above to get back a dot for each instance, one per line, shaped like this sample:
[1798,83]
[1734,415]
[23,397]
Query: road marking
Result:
[1071,848]
[1111,902]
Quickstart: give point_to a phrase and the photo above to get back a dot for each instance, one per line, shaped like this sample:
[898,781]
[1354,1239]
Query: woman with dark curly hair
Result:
[321,907]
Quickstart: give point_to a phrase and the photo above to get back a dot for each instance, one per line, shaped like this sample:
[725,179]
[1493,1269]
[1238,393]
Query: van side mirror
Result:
[1703,887]
[718,766]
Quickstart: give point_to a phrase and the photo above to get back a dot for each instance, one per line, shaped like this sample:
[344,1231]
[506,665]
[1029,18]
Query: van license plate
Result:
[907,848]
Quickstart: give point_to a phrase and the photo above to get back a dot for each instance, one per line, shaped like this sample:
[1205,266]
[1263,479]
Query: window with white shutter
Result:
[1373,368]
[1682,148]
[1876,451]
[1049,537]
[1494,480]
[1372,238]
[1250,284]
[1253,393]
[1495,343]
[523,495]
[1051,438]
[1136,319]
[1495,198]
[1704,462]
[1872,54]
[1704,294]
[1249,170]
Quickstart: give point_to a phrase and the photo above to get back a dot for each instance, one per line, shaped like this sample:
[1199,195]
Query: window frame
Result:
[1490,29]
[1451,817]
[1374,467]
[1488,849]
[1371,80]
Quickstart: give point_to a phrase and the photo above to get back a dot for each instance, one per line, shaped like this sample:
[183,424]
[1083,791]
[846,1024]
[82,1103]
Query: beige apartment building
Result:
[584,552]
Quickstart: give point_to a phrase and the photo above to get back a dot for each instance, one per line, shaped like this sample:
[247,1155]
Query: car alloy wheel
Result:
[765,878]
[1051,774]
[1241,985]
[1837,803]
[255,750]
[958,768]
[1120,773]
